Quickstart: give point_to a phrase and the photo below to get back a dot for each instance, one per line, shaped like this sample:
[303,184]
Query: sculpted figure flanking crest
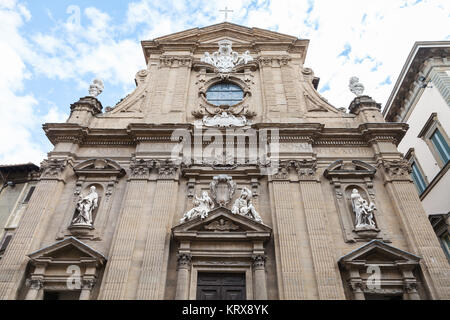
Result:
[244,206]
[203,206]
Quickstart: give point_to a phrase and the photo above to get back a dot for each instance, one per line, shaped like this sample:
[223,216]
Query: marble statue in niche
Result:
[203,206]
[85,207]
[364,211]
[244,206]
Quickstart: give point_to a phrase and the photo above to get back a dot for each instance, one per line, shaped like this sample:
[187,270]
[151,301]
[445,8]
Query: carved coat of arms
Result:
[222,189]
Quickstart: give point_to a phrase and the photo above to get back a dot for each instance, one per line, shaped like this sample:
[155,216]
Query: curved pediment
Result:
[99,166]
[221,223]
[341,168]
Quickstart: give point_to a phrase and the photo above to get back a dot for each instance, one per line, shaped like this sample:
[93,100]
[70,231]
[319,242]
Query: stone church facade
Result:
[224,175]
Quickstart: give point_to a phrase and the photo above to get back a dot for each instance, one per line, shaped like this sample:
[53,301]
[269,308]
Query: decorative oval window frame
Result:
[232,80]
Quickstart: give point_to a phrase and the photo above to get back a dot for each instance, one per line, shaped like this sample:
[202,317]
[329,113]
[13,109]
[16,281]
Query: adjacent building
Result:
[225,175]
[17,184]
[421,98]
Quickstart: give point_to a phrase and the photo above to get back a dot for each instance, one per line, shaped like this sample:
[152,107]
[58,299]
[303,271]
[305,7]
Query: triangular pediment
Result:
[70,249]
[353,168]
[377,251]
[222,220]
[226,30]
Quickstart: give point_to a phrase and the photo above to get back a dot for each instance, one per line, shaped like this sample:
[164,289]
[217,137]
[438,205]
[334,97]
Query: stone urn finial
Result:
[356,87]
[96,88]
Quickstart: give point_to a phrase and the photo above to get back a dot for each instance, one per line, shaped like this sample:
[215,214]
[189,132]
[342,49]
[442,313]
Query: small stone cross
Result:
[226,12]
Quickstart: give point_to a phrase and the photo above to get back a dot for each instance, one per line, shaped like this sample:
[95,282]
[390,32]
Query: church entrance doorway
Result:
[221,286]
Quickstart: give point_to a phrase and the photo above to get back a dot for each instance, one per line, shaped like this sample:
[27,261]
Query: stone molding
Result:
[175,61]
[305,169]
[271,61]
[165,169]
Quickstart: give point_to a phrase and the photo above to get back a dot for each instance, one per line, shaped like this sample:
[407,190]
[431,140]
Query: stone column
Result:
[35,286]
[31,227]
[419,232]
[329,285]
[260,286]
[121,255]
[287,241]
[86,289]
[184,266]
[152,280]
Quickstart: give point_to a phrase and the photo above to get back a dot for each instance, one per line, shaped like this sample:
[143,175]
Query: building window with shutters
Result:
[437,140]
[441,146]
[418,178]
[417,174]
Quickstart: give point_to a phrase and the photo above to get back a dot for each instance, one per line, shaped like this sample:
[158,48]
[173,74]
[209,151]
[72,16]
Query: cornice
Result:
[313,133]
[418,60]
[198,39]
[383,132]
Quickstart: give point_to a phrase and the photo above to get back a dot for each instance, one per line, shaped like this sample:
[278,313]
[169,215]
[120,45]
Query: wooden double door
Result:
[221,286]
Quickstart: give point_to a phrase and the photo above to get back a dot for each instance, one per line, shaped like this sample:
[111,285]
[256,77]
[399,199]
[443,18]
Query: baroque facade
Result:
[225,175]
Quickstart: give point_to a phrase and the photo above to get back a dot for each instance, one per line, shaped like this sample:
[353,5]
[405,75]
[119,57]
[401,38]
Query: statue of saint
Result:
[244,206]
[203,206]
[85,206]
[364,218]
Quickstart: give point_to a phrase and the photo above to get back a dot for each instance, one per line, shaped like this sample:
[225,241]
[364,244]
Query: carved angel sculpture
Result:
[364,218]
[85,206]
[203,206]
[244,206]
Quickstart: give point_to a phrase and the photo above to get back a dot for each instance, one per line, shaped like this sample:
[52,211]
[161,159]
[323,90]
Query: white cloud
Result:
[378,35]
[16,108]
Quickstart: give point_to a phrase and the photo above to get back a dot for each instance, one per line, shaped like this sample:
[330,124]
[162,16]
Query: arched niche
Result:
[344,176]
[104,174]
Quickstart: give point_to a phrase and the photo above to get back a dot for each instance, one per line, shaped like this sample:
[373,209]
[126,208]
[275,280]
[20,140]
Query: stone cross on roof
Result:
[226,12]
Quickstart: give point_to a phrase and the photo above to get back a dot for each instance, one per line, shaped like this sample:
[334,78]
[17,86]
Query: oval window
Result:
[224,94]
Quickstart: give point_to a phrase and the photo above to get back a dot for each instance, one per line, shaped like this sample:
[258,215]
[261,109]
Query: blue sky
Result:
[51,50]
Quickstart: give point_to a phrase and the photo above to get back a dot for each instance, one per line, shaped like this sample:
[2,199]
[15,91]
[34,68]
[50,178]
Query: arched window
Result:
[224,94]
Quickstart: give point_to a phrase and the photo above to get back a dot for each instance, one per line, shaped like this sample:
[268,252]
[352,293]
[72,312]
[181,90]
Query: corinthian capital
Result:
[53,168]
[259,261]
[396,169]
[184,260]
